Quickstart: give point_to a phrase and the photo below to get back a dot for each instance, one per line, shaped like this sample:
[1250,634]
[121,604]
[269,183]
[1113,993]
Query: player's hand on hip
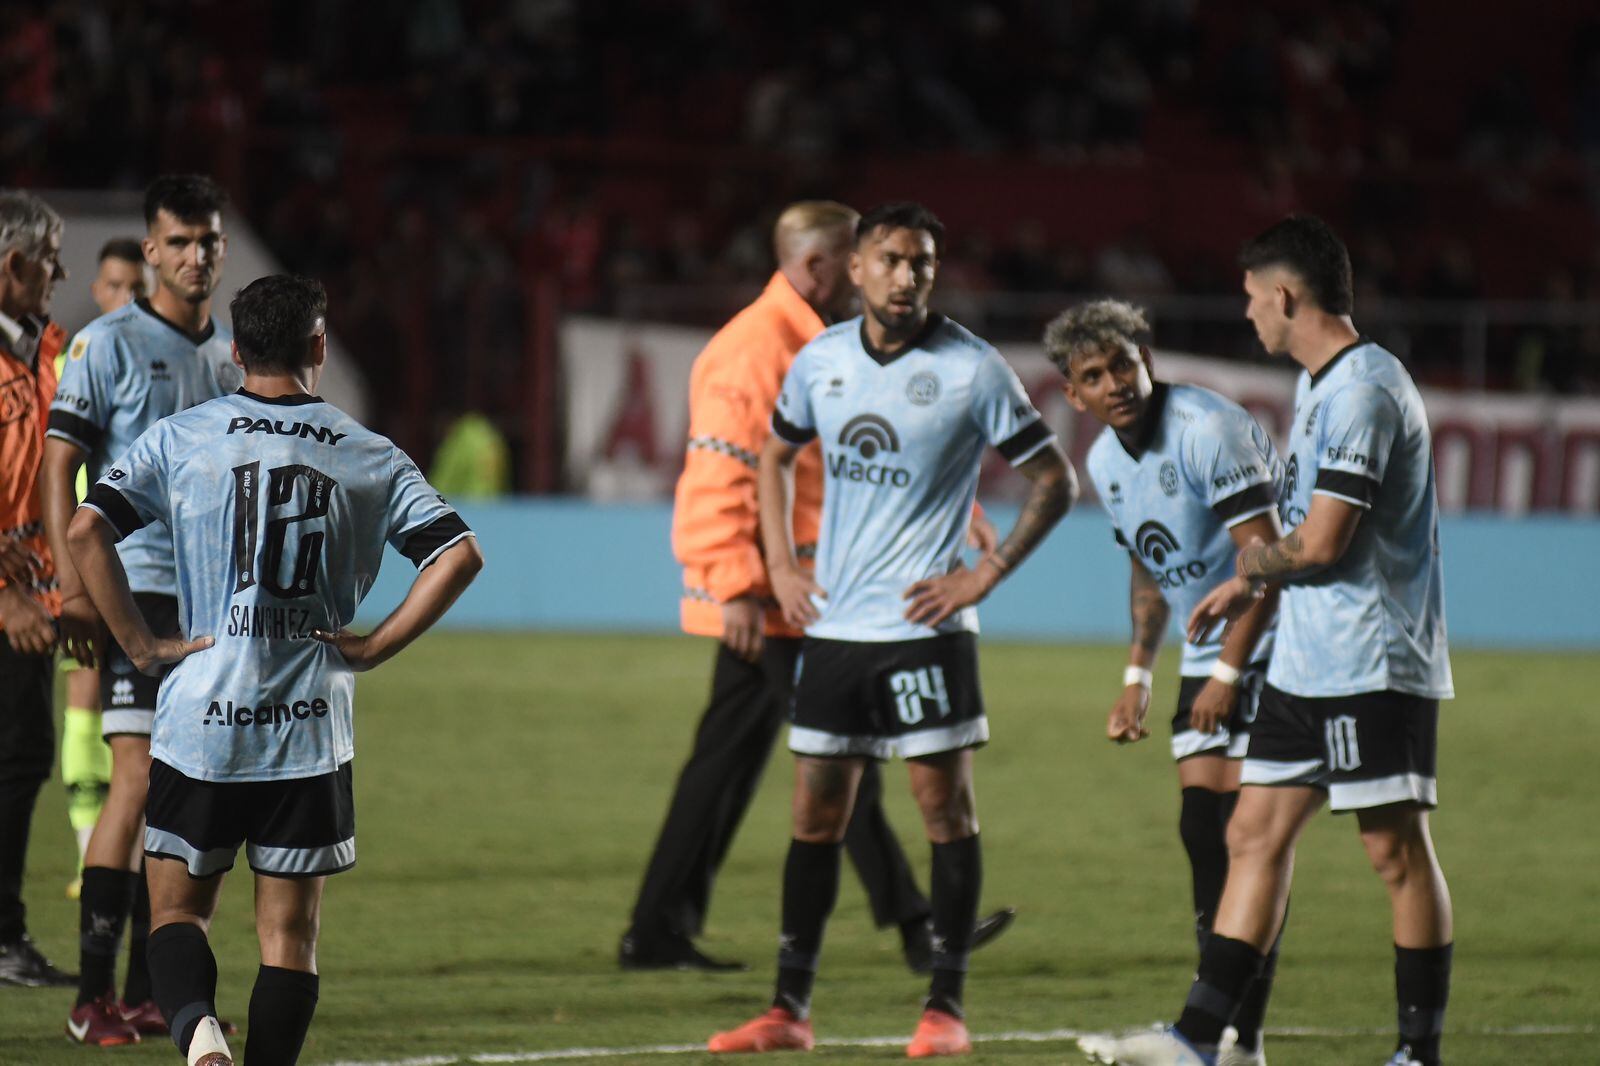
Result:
[29,627]
[742,619]
[793,589]
[982,537]
[80,629]
[933,599]
[356,650]
[1212,706]
[1221,605]
[164,651]
[1125,724]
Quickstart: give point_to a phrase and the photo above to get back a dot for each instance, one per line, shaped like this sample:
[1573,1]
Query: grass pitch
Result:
[509,786]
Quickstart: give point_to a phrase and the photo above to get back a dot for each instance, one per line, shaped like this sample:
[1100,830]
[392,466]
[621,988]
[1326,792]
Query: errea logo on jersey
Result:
[304,430]
[1156,544]
[869,435]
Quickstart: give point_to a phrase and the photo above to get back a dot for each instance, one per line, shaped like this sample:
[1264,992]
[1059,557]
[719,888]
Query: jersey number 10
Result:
[281,481]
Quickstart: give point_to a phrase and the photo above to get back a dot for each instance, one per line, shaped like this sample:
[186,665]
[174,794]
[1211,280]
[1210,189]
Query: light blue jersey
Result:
[279,510]
[1202,465]
[1374,621]
[124,372]
[902,438]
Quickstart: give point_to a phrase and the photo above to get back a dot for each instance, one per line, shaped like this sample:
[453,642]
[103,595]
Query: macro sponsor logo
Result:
[870,436]
[227,713]
[1288,510]
[1158,547]
[279,428]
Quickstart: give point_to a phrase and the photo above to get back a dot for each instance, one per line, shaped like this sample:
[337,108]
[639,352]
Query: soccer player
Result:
[30,266]
[726,595]
[85,755]
[903,402]
[1349,713]
[125,371]
[279,506]
[1188,478]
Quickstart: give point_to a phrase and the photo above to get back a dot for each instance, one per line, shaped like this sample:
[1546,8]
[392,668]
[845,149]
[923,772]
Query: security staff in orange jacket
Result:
[30,265]
[732,390]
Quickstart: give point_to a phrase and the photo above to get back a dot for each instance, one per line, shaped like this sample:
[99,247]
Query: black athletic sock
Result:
[1250,1019]
[103,905]
[810,889]
[1422,989]
[136,986]
[955,887]
[183,978]
[1227,966]
[1203,825]
[281,1006]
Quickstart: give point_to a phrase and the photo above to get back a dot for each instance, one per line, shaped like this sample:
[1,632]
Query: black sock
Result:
[1251,1016]
[1203,825]
[183,978]
[136,987]
[810,889]
[956,884]
[103,905]
[1422,989]
[1227,967]
[281,1006]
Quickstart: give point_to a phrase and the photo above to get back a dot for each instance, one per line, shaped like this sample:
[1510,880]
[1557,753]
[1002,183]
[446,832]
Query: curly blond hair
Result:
[1093,327]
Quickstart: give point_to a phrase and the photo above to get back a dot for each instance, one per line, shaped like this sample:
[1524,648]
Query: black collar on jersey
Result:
[1338,355]
[195,339]
[1152,422]
[935,320]
[297,400]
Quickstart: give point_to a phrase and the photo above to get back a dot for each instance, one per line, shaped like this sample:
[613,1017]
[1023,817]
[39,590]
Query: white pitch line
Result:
[1041,1036]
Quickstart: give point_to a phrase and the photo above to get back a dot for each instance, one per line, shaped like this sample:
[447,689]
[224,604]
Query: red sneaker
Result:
[939,1033]
[98,1023]
[146,1018]
[776,1030]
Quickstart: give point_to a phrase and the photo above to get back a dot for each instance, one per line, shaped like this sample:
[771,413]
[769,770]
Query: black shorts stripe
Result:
[791,432]
[1255,498]
[422,545]
[115,506]
[77,429]
[1025,440]
[1343,483]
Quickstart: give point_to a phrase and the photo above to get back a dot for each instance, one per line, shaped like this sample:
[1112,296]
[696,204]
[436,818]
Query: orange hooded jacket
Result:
[25,395]
[732,391]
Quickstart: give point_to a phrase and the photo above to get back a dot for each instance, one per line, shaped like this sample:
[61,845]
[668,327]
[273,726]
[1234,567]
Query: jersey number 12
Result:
[281,481]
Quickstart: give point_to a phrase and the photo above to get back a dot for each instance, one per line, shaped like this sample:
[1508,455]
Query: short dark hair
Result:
[124,248]
[902,215]
[272,321]
[1308,246]
[186,197]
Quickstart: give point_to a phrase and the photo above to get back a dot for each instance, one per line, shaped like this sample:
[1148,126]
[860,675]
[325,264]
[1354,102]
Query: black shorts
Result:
[305,827]
[127,696]
[906,697]
[1367,750]
[1232,738]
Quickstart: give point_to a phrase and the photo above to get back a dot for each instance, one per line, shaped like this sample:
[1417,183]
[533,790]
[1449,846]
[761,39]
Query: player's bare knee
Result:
[949,810]
[1256,842]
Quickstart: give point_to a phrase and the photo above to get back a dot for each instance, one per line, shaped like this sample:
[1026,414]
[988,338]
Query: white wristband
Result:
[1221,671]
[1137,675]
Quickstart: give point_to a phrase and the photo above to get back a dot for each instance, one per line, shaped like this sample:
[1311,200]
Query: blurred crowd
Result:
[434,160]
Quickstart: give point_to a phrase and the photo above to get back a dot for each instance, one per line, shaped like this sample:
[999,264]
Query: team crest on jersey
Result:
[1169,478]
[80,348]
[923,388]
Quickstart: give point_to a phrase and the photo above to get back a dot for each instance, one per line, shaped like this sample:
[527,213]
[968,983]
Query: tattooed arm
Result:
[1314,545]
[1053,490]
